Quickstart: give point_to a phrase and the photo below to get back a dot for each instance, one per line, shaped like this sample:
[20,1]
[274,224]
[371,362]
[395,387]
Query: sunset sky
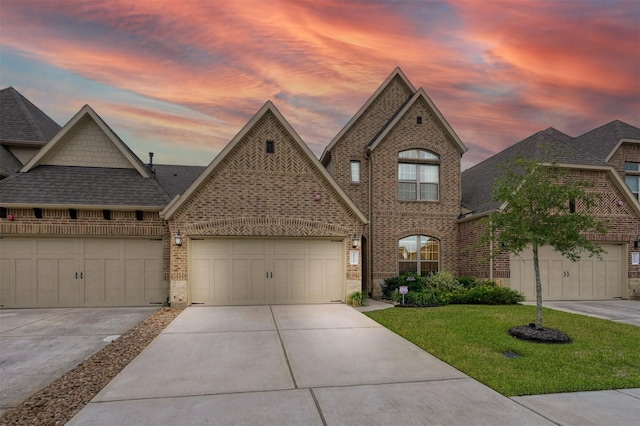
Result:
[181,78]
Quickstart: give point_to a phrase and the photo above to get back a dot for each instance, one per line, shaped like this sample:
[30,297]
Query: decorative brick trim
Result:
[267,227]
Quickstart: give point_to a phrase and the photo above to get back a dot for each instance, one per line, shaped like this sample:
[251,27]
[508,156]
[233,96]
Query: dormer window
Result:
[418,175]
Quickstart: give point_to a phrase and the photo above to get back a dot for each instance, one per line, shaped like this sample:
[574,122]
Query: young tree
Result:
[541,207]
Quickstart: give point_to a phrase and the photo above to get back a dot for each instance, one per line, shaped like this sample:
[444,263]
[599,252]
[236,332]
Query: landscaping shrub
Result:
[467,282]
[357,298]
[392,284]
[443,280]
[442,288]
[423,298]
[486,294]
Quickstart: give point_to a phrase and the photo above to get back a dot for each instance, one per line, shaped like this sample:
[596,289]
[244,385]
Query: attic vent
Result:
[139,215]
[73,213]
[106,214]
[271,147]
[37,212]
[418,120]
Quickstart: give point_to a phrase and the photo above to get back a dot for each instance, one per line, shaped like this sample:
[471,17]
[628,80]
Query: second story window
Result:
[418,175]
[355,171]
[632,178]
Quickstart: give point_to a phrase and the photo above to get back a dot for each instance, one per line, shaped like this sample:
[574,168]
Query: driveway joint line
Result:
[315,401]
[284,351]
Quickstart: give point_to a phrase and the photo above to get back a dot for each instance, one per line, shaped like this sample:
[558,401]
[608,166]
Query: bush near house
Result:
[442,288]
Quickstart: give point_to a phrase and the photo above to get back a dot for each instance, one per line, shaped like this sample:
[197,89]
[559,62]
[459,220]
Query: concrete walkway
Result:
[39,345]
[623,311]
[293,365]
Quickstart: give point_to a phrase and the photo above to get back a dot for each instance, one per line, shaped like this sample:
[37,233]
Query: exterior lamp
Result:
[354,241]
[178,238]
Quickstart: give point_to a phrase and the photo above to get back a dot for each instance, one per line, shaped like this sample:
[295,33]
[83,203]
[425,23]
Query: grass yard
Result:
[473,339]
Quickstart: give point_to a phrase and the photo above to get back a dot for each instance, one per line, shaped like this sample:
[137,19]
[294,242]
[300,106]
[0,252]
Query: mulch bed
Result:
[541,335]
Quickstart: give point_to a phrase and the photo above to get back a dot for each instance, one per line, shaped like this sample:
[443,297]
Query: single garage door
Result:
[266,271]
[589,278]
[63,272]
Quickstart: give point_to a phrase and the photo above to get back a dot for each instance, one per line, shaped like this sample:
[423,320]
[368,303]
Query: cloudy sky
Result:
[181,78]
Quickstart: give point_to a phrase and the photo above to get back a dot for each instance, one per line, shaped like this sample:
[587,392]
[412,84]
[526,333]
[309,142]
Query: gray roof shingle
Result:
[20,120]
[9,164]
[548,145]
[602,141]
[65,185]
[176,179]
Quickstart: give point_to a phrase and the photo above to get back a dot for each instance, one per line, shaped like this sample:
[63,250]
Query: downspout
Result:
[491,252]
[369,225]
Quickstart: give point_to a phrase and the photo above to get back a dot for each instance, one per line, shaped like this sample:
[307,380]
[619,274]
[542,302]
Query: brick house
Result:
[609,157]
[85,222]
[399,160]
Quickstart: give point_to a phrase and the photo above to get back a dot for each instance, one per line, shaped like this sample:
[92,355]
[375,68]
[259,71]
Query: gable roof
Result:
[85,113]
[604,141]
[175,204]
[420,94]
[9,164]
[21,122]
[548,145]
[397,72]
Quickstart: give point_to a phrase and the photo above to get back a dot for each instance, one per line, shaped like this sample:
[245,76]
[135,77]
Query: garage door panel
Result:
[333,282]
[268,271]
[587,279]
[65,272]
[259,291]
[24,285]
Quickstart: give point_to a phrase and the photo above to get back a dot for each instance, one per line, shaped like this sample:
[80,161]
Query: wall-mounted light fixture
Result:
[178,238]
[355,241]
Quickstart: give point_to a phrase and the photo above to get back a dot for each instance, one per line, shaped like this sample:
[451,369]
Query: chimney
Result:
[153,171]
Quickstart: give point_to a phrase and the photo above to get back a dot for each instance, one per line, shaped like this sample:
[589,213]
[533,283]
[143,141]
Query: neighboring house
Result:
[24,129]
[399,161]
[607,156]
[84,222]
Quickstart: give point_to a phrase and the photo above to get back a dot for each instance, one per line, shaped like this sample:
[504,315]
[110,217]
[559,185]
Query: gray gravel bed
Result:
[57,403]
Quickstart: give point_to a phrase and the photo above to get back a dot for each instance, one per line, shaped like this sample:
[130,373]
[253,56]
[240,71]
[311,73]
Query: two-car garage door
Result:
[266,271]
[68,272]
[589,278]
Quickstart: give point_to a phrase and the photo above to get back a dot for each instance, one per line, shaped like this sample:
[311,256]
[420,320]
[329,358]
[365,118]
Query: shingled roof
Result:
[548,145]
[67,186]
[9,164]
[176,179]
[22,121]
[603,141]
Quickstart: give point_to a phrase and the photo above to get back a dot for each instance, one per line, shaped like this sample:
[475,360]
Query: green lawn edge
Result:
[604,354]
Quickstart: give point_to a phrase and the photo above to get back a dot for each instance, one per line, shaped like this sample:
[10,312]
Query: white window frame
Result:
[632,174]
[415,172]
[410,251]
[354,171]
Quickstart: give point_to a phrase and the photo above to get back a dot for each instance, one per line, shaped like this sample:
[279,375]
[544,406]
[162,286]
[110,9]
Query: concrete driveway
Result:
[624,311]
[293,365]
[39,345]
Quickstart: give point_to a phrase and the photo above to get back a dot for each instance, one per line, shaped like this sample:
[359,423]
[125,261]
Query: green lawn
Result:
[473,338]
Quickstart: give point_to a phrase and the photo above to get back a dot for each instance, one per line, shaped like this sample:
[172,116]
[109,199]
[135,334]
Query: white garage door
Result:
[587,279]
[272,271]
[61,272]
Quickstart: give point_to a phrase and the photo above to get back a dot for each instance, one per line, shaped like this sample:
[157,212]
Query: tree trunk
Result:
[536,267]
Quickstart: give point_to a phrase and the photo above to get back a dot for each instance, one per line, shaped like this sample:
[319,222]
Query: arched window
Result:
[418,253]
[418,175]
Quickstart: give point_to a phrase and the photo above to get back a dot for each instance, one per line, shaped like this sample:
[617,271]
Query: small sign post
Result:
[403,290]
